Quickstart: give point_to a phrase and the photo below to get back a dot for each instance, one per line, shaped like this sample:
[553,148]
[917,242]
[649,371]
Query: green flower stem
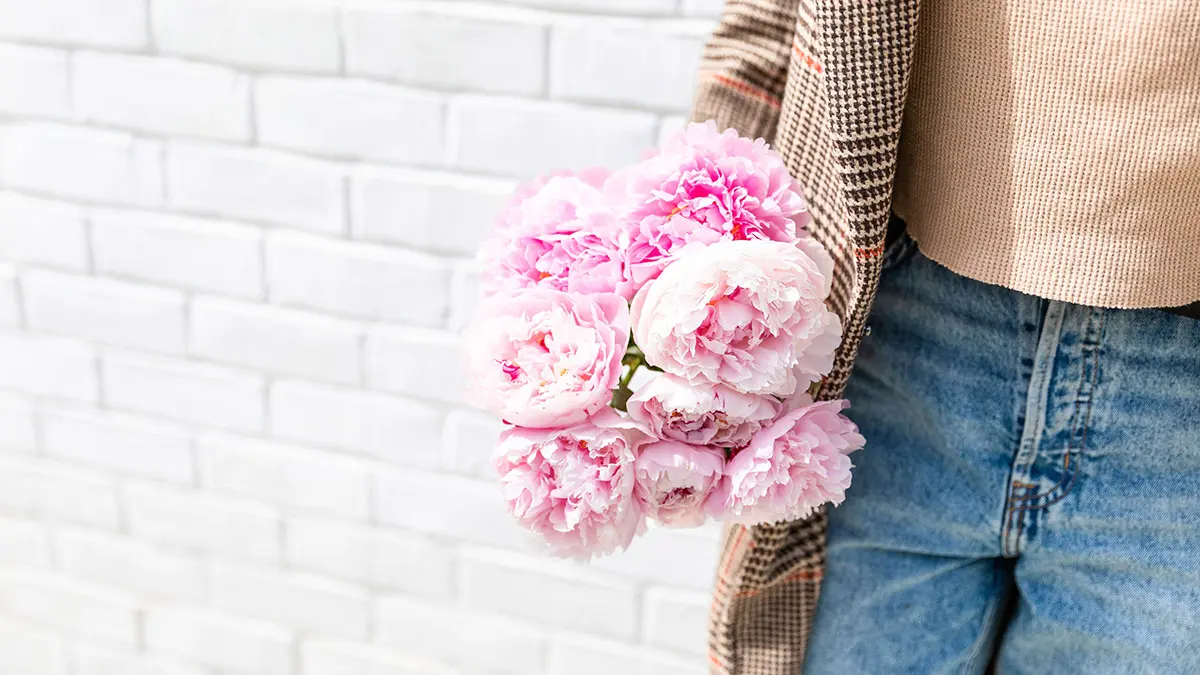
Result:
[633,360]
[620,399]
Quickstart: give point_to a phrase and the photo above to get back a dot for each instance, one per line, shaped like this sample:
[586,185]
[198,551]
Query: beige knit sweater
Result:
[1053,147]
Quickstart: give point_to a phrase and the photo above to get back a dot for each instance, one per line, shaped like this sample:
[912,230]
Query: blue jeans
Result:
[1029,495]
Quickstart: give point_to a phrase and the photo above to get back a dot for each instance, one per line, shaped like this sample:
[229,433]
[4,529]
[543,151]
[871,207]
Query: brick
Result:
[33,81]
[410,564]
[676,619]
[464,294]
[456,635]
[711,8]
[543,591]
[447,51]
[162,95]
[680,558]
[467,509]
[621,63]
[414,361]
[220,640]
[24,543]
[89,659]
[607,6]
[191,253]
[255,184]
[275,340]
[405,432]
[87,164]
[539,136]
[585,656]
[105,311]
[18,432]
[359,280]
[271,36]
[101,23]
[10,306]
[364,120]
[299,479]
[130,565]
[77,608]
[221,526]
[42,233]
[30,650]
[44,489]
[303,602]
[119,443]
[46,366]
[470,441]
[416,208]
[197,393]
[321,657]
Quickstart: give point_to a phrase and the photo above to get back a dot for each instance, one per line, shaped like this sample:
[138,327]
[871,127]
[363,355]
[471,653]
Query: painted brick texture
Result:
[237,246]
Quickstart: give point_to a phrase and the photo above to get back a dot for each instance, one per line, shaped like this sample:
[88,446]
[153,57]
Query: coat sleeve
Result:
[744,65]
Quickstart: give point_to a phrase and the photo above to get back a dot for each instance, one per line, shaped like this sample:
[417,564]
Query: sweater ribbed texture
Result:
[1054,147]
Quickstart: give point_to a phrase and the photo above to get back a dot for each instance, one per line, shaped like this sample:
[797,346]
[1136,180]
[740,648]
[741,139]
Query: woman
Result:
[1029,496]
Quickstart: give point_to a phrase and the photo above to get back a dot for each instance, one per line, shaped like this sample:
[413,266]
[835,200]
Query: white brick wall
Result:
[360,280]
[118,442]
[42,232]
[295,478]
[350,118]
[220,640]
[236,252]
[10,304]
[130,564]
[89,165]
[33,81]
[23,544]
[73,23]
[262,36]
[18,432]
[448,51]
[104,311]
[30,649]
[282,341]
[159,95]
[177,251]
[348,658]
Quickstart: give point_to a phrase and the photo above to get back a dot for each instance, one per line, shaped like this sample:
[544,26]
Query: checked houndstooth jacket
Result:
[824,81]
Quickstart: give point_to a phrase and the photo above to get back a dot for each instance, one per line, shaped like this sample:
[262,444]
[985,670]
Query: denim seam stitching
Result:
[1078,433]
[1070,445]
[1040,376]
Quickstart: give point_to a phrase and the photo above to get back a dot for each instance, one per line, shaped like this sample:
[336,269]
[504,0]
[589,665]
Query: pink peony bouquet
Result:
[650,337]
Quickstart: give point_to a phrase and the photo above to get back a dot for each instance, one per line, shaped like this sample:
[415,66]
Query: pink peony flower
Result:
[791,467]
[701,414]
[738,313]
[701,187]
[559,233]
[675,479]
[814,359]
[544,358]
[574,486]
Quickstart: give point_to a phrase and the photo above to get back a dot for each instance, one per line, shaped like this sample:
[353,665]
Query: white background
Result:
[235,245]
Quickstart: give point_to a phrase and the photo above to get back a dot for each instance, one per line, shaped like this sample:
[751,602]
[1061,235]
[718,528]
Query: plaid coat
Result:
[824,81]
